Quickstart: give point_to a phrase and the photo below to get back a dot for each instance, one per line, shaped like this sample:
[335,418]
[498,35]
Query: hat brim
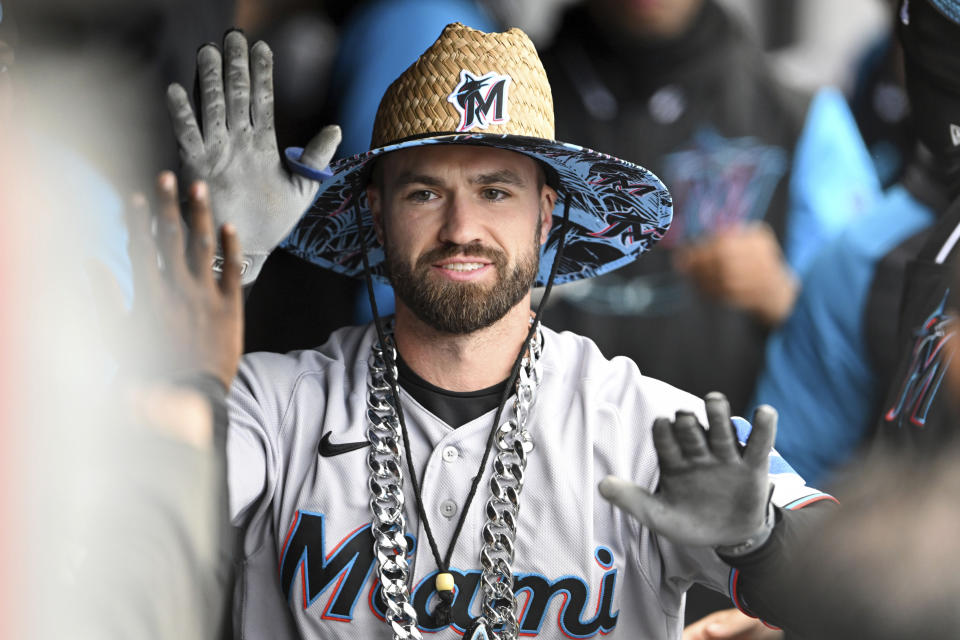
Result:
[617,210]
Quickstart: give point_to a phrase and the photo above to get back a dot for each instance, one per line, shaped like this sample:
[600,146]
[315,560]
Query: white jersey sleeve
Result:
[273,398]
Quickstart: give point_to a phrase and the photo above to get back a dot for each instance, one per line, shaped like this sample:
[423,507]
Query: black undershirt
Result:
[456,408]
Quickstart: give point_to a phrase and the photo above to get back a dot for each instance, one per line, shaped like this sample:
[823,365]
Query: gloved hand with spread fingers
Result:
[709,493]
[236,152]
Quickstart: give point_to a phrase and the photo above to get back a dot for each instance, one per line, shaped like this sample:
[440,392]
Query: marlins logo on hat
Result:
[487,89]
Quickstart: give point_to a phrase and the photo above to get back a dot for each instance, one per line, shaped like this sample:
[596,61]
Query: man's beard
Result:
[461,307]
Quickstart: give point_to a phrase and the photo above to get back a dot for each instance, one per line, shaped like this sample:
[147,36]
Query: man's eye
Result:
[494,194]
[421,196]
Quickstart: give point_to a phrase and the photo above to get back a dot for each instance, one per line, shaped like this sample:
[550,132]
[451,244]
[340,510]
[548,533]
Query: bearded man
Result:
[356,469]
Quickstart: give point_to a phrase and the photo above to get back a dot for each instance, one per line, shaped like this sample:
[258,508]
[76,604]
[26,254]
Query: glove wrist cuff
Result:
[755,541]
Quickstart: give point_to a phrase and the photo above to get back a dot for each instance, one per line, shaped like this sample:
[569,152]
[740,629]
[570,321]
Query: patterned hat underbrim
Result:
[618,210]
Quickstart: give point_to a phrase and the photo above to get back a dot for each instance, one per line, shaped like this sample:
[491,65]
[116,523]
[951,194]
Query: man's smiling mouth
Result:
[463,266]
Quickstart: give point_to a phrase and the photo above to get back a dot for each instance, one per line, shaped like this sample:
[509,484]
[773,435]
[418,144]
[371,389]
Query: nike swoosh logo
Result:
[329,449]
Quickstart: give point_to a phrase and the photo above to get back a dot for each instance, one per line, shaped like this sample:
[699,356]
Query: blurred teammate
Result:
[113,466]
[871,318]
[875,314]
[760,175]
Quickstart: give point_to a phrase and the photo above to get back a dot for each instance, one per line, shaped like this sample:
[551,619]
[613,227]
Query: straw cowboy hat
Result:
[487,89]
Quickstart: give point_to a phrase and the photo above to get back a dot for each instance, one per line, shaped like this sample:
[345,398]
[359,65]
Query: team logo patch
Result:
[720,183]
[928,364]
[481,100]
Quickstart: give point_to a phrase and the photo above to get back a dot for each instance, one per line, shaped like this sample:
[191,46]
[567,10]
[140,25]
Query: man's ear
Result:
[548,200]
[376,209]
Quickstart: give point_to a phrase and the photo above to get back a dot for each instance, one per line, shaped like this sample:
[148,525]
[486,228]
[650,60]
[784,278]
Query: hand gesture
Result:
[236,152]
[187,322]
[709,493]
[745,268]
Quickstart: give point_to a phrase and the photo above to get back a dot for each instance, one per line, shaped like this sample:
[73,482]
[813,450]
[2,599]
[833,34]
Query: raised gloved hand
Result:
[709,493]
[236,151]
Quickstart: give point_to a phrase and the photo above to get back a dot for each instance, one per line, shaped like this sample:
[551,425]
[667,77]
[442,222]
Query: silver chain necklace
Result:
[513,443]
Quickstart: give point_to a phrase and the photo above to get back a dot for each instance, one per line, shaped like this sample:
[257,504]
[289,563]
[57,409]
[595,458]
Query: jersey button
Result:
[448,508]
[450,454]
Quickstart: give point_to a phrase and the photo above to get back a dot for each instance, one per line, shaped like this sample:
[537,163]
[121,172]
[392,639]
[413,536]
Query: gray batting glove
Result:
[236,153]
[709,493]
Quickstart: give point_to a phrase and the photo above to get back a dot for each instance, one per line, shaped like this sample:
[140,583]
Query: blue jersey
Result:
[817,370]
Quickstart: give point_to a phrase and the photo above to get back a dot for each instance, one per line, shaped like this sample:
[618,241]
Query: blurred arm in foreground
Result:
[163,570]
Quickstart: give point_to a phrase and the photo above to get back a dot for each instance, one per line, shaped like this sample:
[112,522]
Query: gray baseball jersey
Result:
[582,566]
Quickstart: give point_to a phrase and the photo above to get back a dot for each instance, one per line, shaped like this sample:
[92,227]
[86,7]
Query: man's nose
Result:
[461,222]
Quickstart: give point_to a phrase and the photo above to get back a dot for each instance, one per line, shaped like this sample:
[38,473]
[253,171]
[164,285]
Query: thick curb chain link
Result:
[386,495]
[513,441]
